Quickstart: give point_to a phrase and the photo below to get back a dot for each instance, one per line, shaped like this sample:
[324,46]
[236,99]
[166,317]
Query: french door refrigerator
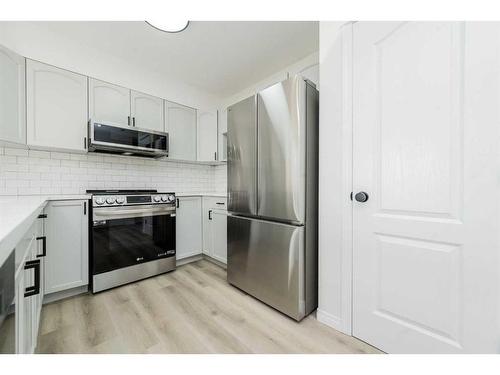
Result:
[272,162]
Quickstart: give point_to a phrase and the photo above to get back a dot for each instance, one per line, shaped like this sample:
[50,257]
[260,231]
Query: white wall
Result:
[334,278]
[33,40]
[307,66]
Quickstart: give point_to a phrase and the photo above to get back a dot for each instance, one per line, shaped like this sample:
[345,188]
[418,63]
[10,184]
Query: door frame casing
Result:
[342,127]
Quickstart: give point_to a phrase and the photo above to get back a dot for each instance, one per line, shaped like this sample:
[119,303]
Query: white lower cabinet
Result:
[188,227]
[67,264]
[215,228]
[29,288]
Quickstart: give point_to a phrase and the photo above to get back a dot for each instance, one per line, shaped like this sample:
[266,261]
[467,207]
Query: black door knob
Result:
[361,197]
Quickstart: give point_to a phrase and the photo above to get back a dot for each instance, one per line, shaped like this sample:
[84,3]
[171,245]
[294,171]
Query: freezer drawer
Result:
[267,260]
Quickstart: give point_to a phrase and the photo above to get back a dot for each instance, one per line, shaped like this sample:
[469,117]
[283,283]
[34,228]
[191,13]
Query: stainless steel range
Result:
[132,236]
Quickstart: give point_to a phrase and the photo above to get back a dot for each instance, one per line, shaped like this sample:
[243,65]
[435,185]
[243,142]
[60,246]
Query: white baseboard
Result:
[330,320]
[189,259]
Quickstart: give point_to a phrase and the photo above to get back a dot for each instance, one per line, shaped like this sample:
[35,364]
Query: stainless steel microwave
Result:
[126,140]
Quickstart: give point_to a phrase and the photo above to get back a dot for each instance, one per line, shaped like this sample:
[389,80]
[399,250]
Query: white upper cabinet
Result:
[222,135]
[56,102]
[12,97]
[180,123]
[146,111]
[312,74]
[207,135]
[108,102]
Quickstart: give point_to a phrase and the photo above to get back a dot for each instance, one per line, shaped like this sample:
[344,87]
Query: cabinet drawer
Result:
[215,203]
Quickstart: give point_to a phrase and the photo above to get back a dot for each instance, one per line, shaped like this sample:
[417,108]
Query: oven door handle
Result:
[107,214]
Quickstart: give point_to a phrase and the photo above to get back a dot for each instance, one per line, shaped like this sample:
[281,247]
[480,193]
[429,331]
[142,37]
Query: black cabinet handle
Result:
[133,121]
[209,214]
[42,216]
[85,208]
[220,203]
[177,203]
[44,246]
[128,120]
[35,288]
[215,155]
[84,143]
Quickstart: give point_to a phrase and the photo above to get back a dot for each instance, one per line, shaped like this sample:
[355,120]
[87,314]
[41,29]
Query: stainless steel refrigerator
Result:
[272,161]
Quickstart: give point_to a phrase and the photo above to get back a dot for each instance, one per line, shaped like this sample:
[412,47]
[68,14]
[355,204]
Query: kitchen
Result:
[239,213]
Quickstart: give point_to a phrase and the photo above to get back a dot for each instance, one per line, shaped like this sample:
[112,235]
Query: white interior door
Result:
[425,243]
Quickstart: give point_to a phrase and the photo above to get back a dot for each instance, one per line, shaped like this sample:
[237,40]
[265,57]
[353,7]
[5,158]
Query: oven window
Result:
[121,243]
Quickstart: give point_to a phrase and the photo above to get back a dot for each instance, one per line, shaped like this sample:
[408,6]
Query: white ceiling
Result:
[221,58]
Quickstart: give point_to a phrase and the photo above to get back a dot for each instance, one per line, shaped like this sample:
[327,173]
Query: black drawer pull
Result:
[220,203]
[209,214]
[177,202]
[34,289]
[44,246]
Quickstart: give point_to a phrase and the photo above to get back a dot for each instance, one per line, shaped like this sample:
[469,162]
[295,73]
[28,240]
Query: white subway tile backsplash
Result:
[27,172]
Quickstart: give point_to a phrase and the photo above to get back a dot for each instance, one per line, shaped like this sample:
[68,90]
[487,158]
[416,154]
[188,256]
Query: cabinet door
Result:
[12,95]
[207,135]
[222,135]
[56,107]
[188,227]
[146,111]
[207,228]
[180,123]
[67,245]
[108,102]
[219,235]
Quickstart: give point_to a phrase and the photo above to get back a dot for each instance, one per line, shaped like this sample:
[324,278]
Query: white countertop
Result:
[203,194]
[17,213]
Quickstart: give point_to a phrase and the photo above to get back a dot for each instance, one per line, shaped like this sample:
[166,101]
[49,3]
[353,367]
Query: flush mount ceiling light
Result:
[169,26]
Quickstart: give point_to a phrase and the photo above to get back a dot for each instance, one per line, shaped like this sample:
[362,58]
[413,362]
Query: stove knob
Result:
[120,200]
[171,198]
[99,200]
[110,200]
[157,198]
[164,198]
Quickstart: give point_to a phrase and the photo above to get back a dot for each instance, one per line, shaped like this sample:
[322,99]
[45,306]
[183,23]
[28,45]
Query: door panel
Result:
[188,227]
[56,101]
[12,97]
[67,262]
[414,240]
[242,157]
[146,111]
[108,102]
[207,135]
[180,122]
[281,151]
[265,259]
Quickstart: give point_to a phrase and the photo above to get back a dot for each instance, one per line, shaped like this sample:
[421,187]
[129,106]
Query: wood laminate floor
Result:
[190,310]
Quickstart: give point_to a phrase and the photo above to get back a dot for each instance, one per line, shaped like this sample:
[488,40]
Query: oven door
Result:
[128,235]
